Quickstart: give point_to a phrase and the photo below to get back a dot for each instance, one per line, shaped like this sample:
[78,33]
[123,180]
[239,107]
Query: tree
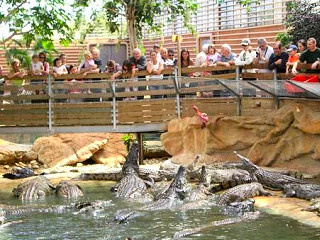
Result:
[303,20]
[40,18]
[142,13]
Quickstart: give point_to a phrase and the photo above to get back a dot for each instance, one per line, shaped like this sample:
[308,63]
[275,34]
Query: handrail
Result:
[169,71]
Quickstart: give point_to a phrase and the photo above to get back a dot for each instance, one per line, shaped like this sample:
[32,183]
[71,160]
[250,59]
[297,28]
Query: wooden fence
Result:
[98,104]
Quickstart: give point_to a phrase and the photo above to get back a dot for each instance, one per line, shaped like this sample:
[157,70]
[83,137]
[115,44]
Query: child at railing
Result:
[36,66]
[212,57]
[59,70]
[293,57]
[73,82]
[88,65]
[37,69]
[16,77]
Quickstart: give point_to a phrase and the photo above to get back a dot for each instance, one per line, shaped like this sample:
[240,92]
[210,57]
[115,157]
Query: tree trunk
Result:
[132,35]
[131,28]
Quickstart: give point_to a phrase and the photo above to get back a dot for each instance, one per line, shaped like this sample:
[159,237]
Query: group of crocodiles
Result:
[239,181]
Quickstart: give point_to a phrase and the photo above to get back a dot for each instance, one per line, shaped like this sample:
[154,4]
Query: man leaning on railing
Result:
[310,56]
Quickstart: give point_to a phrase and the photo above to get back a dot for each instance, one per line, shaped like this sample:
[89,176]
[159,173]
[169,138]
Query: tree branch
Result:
[12,11]
[15,33]
[115,11]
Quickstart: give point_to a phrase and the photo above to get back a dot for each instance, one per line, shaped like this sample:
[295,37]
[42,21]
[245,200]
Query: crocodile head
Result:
[246,164]
[179,183]
[204,178]
[131,164]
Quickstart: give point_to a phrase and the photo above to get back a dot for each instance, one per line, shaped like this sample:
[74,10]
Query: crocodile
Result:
[68,190]
[304,191]
[242,192]
[35,188]
[239,208]
[131,186]
[246,217]
[222,179]
[271,180]
[81,207]
[314,206]
[116,174]
[199,195]
[18,172]
[176,191]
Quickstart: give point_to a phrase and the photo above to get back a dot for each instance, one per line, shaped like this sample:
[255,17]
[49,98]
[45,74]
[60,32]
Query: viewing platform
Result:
[98,104]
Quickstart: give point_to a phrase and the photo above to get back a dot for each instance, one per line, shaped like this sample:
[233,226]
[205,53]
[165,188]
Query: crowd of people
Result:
[283,59]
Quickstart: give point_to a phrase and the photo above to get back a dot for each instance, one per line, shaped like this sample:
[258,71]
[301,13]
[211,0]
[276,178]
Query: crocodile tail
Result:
[124,215]
[186,232]
[11,175]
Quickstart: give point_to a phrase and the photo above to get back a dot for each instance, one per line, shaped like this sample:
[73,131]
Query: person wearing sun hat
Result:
[247,55]
[293,57]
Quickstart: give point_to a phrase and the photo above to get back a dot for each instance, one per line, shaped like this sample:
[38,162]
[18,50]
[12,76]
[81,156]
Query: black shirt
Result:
[273,58]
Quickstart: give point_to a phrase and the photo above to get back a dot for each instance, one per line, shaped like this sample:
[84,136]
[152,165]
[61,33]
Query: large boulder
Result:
[68,149]
[11,153]
[113,153]
[288,138]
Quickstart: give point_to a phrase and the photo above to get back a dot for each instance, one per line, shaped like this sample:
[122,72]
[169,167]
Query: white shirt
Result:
[266,53]
[155,67]
[60,70]
[200,59]
[246,58]
[37,68]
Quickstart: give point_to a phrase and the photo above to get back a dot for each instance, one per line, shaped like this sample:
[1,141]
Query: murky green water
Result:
[155,225]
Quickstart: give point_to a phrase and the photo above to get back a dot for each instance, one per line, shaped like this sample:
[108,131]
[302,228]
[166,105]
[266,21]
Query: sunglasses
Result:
[125,69]
[171,55]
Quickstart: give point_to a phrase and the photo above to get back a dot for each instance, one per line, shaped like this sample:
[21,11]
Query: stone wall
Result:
[289,138]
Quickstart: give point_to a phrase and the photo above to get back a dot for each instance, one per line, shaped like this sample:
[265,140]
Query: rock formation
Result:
[11,153]
[289,138]
[68,149]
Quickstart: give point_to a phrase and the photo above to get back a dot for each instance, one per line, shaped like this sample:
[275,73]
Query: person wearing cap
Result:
[246,56]
[278,59]
[293,57]
[310,56]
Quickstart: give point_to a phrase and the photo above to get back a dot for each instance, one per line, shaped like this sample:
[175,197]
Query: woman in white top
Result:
[155,67]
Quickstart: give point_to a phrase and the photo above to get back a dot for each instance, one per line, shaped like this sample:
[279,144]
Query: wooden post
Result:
[140,147]
[179,39]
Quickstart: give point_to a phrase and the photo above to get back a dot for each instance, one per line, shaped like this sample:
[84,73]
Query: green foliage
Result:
[46,46]
[284,38]
[128,139]
[19,49]
[21,54]
[303,20]
[30,19]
